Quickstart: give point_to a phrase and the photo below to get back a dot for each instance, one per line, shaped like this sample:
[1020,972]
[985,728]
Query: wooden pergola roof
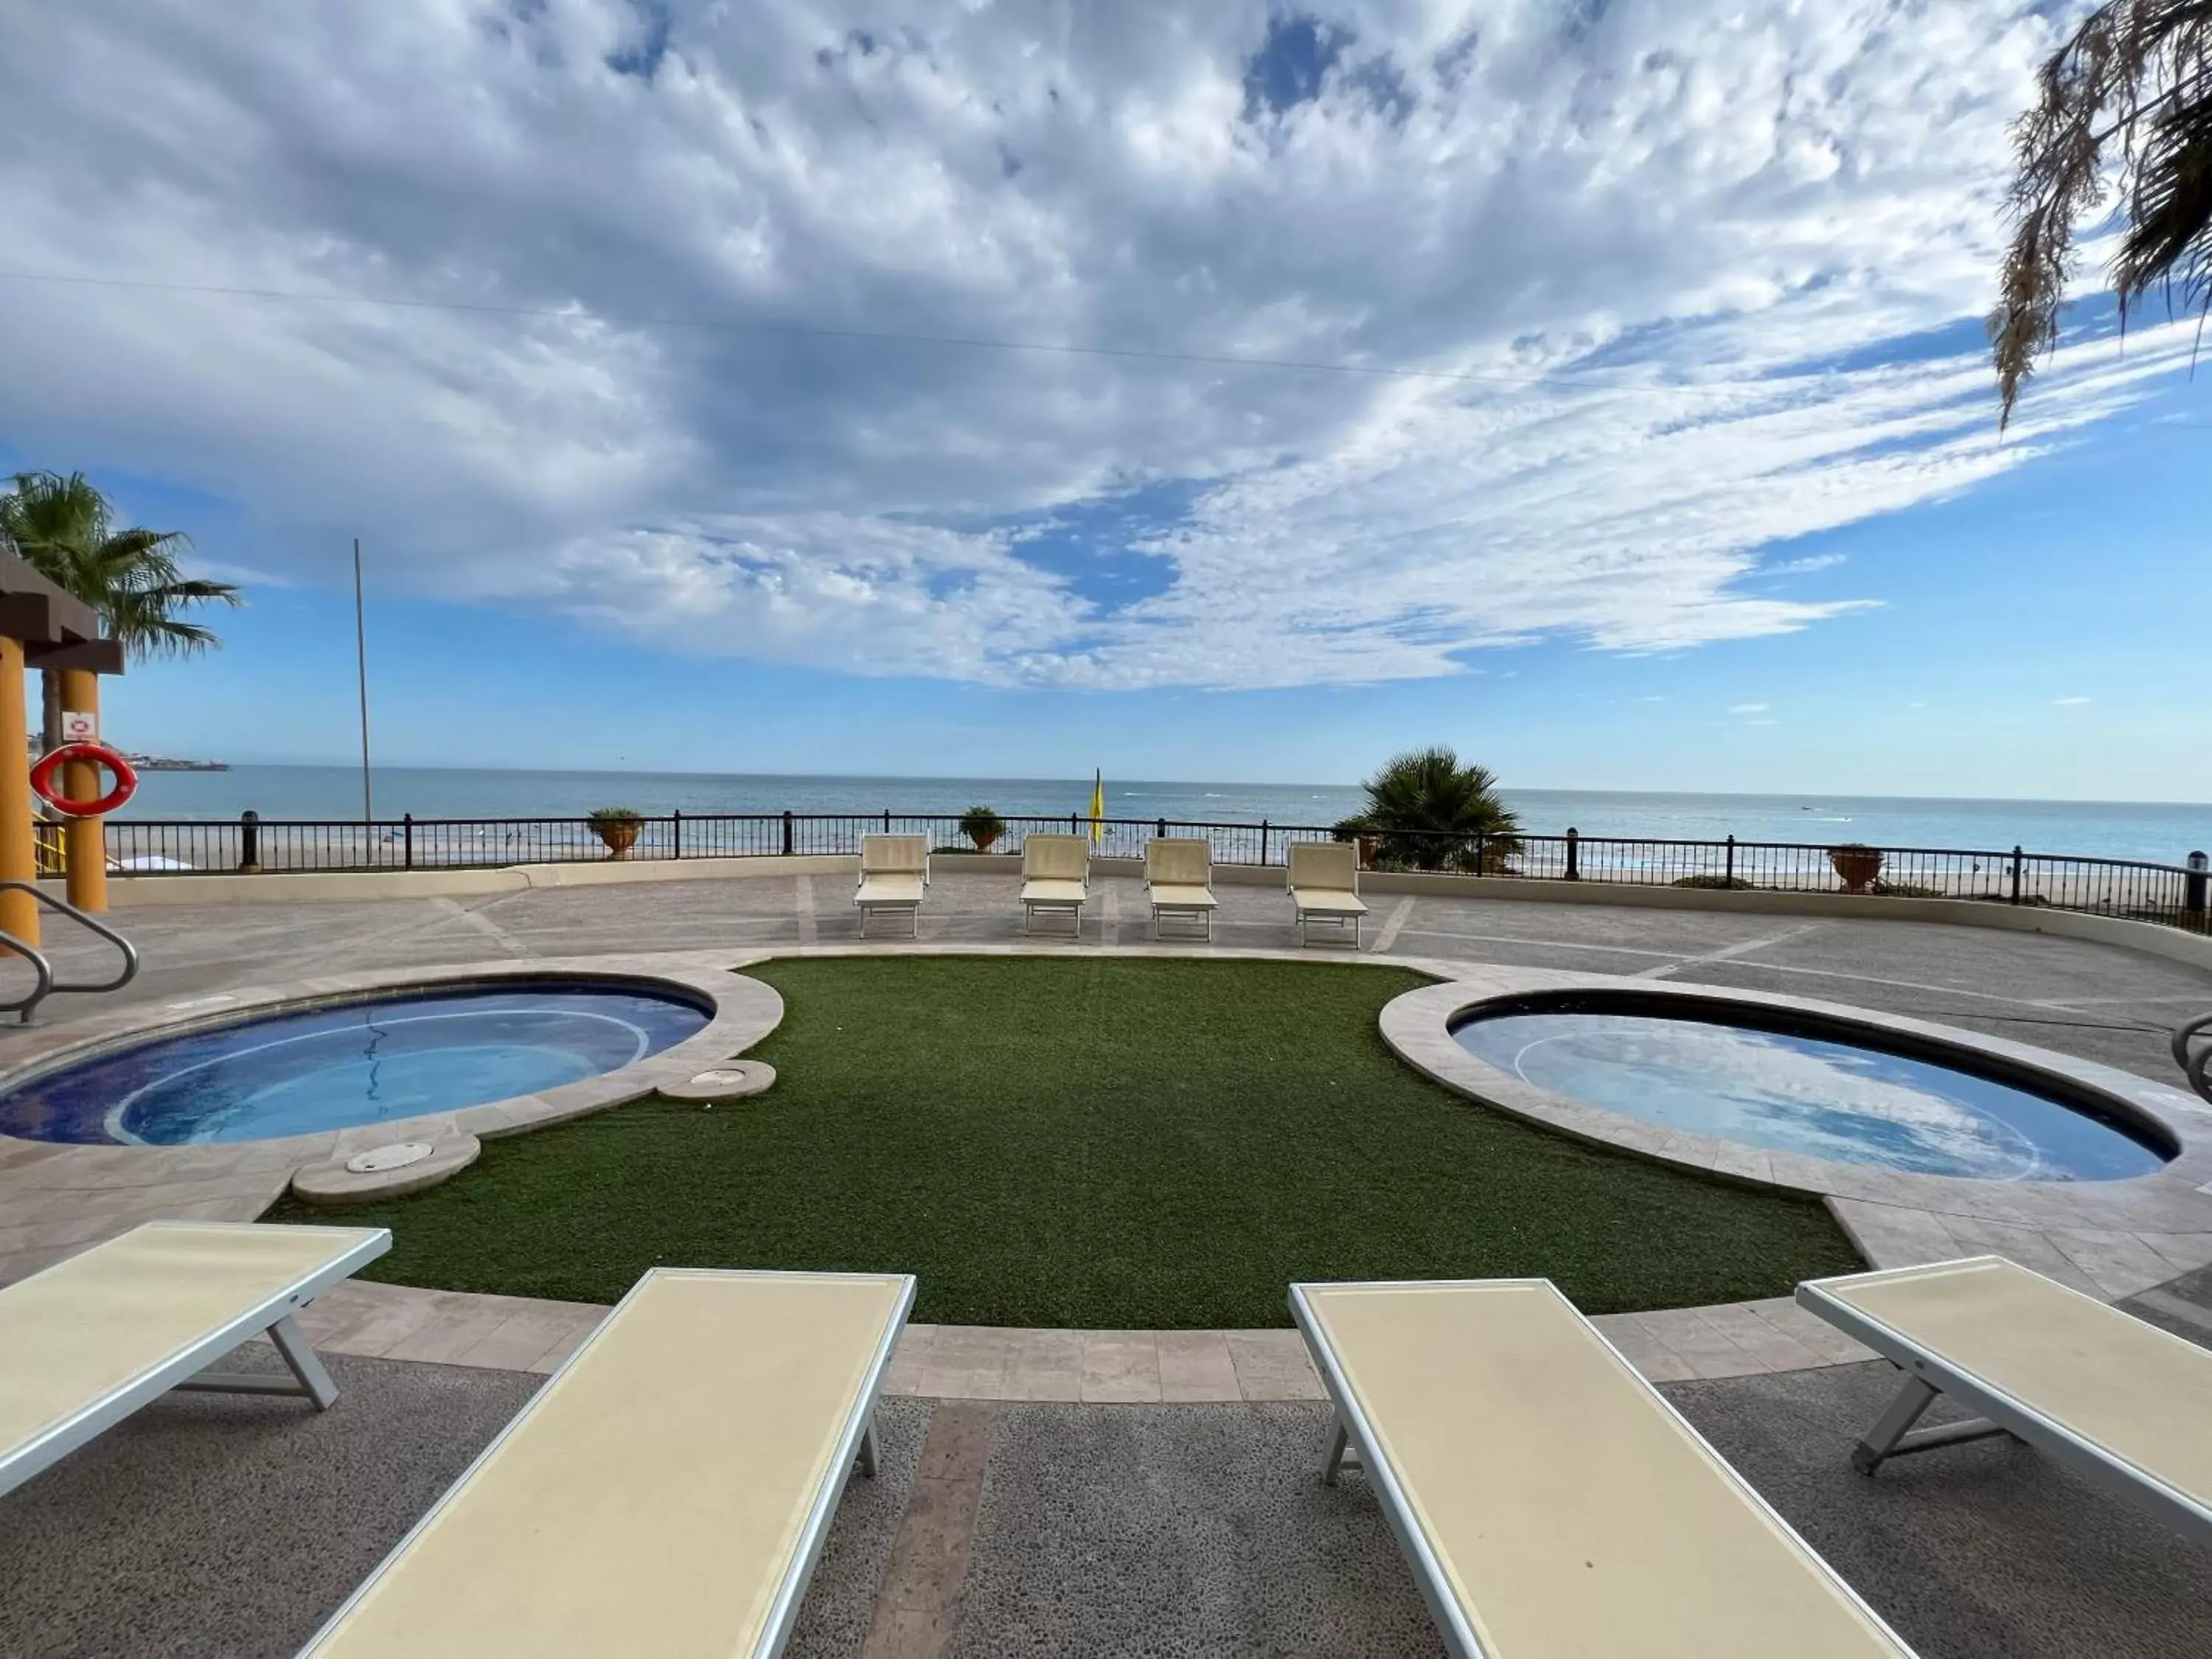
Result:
[57,631]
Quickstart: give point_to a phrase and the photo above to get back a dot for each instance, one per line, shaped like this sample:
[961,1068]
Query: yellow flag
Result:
[1098,808]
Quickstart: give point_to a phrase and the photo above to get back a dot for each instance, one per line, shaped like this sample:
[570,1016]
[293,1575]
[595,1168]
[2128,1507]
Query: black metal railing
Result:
[2173,894]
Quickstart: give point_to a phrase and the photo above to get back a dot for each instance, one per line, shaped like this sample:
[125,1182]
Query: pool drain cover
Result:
[398,1156]
[731,1080]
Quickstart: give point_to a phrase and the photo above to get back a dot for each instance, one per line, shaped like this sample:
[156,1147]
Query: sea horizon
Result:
[2158,831]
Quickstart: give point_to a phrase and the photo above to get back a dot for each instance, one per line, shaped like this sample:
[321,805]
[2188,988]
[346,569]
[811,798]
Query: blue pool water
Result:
[357,1063]
[1811,1095]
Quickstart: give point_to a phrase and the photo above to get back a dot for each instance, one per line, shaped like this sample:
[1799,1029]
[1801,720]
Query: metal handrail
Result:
[28,1006]
[40,966]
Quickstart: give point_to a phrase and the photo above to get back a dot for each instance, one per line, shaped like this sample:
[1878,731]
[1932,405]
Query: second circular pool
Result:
[1818,1093]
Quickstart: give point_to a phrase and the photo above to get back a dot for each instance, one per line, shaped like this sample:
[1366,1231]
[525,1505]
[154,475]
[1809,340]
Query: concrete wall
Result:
[336,887]
[310,888]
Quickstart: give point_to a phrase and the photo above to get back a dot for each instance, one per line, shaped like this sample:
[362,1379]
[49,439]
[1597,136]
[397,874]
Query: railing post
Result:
[676,833]
[1161,828]
[786,832]
[1481,847]
[2017,856]
[1574,854]
[2193,888]
[249,841]
[887,820]
[407,839]
[1263,841]
[1729,877]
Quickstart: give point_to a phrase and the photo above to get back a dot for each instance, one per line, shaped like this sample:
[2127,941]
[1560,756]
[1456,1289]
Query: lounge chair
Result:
[1324,882]
[1179,881]
[894,872]
[1548,1500]
[667,1492]
[91,1339]
[2123,1404]
[1055,877]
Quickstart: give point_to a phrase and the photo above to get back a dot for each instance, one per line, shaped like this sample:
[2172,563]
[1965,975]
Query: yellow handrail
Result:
[52,846]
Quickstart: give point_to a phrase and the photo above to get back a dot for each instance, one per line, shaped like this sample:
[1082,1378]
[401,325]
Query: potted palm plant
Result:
[1427,811]
[1857,864]
[617,826]
[981,826]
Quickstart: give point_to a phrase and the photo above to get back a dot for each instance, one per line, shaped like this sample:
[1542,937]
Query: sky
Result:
[1191,388]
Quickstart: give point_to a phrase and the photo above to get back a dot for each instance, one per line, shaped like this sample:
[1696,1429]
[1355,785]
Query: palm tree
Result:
[64,528]
[1426,811]
[2130,91]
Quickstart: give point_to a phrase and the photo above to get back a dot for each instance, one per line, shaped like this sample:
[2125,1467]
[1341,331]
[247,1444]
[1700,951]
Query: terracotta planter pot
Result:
[985,843]
[1858,867]
[619,837]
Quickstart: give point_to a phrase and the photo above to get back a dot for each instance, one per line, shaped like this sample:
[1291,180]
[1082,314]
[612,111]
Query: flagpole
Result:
[361,664]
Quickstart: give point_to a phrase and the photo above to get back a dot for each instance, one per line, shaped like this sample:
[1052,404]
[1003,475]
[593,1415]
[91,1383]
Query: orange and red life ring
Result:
[98,753]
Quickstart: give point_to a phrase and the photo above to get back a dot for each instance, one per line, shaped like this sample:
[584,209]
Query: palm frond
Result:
[1427,810]
[63,527]
[2129,93]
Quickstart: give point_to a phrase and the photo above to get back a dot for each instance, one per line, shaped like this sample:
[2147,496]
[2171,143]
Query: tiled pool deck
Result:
[1004,1489]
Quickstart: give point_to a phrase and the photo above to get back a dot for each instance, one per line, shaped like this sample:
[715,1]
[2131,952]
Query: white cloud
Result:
[2069,703]
[1747,708]
[1739,228]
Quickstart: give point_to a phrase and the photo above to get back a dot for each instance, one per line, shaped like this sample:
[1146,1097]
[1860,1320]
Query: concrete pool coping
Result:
[64,1197]
[1863,1197]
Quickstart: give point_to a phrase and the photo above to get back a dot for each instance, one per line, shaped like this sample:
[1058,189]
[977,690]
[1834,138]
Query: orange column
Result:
[85,838]
[19,857]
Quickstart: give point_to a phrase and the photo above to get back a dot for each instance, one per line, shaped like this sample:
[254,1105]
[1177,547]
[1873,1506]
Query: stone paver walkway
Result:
[988,1361]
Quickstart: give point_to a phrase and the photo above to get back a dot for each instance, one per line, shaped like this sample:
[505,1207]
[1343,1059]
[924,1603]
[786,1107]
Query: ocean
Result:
[2163,833]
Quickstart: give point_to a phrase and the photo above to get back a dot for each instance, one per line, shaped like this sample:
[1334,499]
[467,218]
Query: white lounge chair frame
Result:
[186,1368]
[855,1448]
[1354,1443]
[1310,853]
[894,856]
[1160,852]
[1077,849]
[1928,1373]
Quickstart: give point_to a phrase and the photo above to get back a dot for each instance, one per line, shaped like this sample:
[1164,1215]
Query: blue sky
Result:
[1693,483]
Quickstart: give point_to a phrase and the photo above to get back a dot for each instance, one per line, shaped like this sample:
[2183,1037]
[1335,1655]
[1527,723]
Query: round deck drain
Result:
[396,1156]
[402,1166]
[732,1081]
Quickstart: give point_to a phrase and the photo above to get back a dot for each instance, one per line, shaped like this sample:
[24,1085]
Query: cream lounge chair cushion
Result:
[1324,876]
[1049,891]
[1180,861]
[654,1497]
[888,889]
[87,1341]
[1569,1509]
[1056,858]
[904,855]
[1166,897]
[2097,1375]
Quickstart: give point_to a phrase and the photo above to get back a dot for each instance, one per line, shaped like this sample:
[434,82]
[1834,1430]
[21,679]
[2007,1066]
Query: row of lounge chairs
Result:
[669,1490]
[1322,878]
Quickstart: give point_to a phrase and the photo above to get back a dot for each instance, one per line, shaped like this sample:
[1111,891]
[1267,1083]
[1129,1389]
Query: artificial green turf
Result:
[1092,1141]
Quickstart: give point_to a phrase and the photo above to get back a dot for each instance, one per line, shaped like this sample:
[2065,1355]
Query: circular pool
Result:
[1803,1086]
[339,1066]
